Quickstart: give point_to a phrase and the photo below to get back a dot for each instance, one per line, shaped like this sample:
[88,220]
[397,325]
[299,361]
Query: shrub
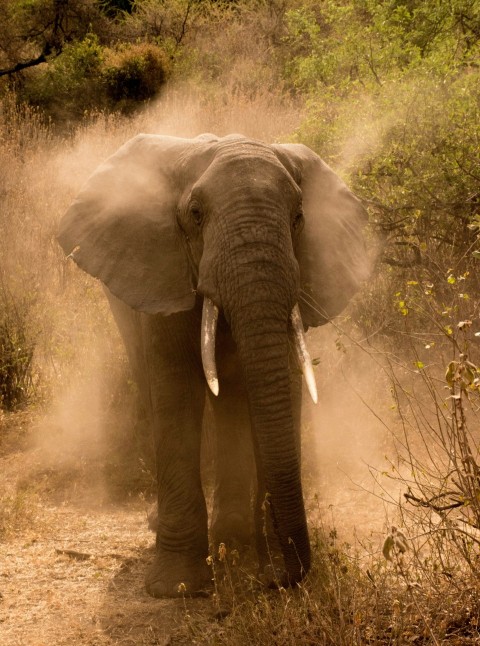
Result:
[133,74]
[367,43]
[16,353]
[393,102]
[88,78]
[68,86]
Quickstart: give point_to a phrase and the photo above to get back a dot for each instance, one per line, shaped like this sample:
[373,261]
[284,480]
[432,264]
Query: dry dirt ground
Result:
[72,563]
[52,594]
[72,573]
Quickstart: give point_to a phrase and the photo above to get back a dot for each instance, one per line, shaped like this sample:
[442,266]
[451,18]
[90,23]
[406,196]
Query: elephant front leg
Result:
[180,566]
[178,398]
[232,517]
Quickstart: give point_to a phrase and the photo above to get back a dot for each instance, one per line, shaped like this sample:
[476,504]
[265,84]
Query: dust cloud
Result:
[349,436]
[80,367]
[80,356]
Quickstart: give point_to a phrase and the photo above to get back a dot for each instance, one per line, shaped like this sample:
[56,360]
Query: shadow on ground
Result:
[130,616]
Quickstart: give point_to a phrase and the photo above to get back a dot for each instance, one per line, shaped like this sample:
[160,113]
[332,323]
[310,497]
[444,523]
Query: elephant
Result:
[216,255]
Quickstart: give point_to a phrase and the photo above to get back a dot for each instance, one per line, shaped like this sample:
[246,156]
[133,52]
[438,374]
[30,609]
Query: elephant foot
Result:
[178,574]
[274,576]
[233,529]
[271,567]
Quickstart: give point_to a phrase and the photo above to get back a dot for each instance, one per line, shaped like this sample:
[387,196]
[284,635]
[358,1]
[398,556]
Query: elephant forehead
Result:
[244,149]
[251,169]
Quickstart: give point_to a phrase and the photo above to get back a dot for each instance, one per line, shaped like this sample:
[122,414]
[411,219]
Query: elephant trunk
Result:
[254,278]
[261,333]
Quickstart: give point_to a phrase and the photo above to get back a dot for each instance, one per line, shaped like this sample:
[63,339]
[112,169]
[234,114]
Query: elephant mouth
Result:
[208,333]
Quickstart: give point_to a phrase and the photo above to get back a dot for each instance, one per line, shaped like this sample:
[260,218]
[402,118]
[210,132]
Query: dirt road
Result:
[72,564]
[81,582]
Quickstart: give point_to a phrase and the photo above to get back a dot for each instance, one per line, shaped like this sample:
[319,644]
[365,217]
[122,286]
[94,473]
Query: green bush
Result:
[87,78]
[133,74]
[393,103]
[366,43]
[68,86]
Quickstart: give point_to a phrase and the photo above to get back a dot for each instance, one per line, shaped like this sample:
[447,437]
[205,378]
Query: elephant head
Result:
[267,234]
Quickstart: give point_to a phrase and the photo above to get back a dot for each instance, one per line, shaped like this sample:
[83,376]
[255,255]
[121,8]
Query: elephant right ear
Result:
[122,226]
[330,249]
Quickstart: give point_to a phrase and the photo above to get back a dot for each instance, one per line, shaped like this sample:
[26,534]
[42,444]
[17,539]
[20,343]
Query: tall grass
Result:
[23,241]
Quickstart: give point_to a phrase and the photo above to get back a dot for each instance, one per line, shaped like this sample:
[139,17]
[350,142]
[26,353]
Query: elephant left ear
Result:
[122,226]
[330,249]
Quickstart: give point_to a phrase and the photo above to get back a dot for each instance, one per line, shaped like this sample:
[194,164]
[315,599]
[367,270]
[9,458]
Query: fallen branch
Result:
[84,556]
[80,556]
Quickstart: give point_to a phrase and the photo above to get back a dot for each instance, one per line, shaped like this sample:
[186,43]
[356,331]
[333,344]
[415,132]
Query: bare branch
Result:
[22,66]
[430,503]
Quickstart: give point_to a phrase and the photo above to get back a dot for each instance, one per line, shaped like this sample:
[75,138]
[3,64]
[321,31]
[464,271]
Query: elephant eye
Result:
[196,213]
[297,222]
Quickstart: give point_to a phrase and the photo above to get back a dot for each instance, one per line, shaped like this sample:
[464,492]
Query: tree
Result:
[35,31]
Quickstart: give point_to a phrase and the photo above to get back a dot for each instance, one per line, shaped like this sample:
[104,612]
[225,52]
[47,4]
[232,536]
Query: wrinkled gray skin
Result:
[257,228]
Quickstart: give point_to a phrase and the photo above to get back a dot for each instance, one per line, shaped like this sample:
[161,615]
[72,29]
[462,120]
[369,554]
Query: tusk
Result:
[302,353]
[209,330]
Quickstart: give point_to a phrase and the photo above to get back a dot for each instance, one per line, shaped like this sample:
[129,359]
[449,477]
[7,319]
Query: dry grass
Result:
[52,594]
